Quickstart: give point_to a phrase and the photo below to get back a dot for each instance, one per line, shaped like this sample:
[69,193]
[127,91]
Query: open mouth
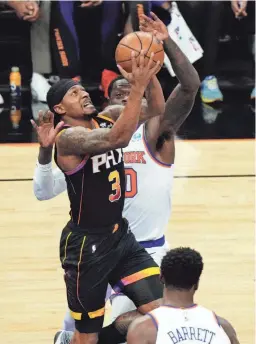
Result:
[87,104]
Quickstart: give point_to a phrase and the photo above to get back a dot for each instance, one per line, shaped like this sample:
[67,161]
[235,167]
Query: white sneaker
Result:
[1,100]
[63,337]
[40,87]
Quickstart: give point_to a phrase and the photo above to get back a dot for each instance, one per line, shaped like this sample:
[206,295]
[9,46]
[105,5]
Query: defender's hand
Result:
[45,130]
[141,73]
[155,26]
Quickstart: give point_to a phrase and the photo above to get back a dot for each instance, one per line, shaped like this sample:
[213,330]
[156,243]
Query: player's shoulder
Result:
[104,120]
[142,327]
[68,130]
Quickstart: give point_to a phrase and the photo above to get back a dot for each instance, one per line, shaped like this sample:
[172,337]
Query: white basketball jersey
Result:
[148,191]
[190,325]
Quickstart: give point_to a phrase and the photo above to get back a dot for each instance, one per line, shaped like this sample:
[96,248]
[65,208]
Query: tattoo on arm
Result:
[178,107]
[155,100]
[184,70]
[123,321]
[80,141]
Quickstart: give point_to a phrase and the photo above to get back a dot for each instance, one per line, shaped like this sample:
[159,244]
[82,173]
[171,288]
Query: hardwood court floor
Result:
[212,214]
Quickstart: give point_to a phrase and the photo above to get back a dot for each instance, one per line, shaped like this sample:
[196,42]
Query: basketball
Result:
[137,41]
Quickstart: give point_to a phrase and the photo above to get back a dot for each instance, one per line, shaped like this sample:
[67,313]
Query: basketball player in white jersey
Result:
[180,320]
[148,159]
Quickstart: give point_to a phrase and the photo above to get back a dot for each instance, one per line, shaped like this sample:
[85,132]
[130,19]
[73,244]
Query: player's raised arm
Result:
[79,141]
[155,101]
[181,100]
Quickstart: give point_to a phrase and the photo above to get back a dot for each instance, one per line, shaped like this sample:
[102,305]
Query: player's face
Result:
[121,92]
[77,102]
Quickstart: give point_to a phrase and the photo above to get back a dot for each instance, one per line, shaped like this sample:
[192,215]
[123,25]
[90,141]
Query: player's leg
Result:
[137,276]
[120,303]
[123,309]
[85,291]
[69,323]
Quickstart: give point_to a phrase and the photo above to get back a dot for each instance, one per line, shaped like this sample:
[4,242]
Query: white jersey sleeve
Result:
[48,183]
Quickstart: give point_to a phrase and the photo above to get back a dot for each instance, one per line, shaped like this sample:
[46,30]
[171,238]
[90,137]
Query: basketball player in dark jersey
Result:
[96,246]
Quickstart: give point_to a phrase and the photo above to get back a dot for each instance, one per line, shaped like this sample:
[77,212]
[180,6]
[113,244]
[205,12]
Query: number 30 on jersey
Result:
[131,184]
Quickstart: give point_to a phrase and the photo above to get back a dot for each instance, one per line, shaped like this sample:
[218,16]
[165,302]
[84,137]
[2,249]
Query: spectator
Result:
[240,9]
[116,21]
[59,50]
[205,21]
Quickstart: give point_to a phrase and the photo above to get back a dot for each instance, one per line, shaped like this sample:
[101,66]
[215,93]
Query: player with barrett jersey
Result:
[179,319]
[148,160]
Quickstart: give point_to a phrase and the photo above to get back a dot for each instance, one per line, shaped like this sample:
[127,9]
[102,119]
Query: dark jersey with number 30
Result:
[96,187]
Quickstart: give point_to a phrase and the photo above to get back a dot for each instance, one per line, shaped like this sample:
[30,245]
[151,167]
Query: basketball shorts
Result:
[119,301]
[92,260]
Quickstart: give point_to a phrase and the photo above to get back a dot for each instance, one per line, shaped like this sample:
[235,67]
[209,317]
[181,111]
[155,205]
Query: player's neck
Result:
[178,299]
[81,122]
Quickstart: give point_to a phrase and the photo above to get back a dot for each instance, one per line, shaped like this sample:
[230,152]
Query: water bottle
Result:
[15,112]
[15,82]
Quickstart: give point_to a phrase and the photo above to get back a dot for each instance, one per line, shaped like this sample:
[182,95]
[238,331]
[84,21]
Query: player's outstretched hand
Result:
[141,72]
[155,26]
[45,130]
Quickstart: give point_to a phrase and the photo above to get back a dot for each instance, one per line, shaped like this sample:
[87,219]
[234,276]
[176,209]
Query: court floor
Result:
[213,212]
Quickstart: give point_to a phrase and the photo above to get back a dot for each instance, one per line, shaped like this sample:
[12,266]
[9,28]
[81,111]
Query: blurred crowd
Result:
[60,51]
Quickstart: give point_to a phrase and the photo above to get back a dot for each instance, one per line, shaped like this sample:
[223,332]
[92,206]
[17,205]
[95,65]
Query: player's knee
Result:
[69,322]
[86,338]
[150,306]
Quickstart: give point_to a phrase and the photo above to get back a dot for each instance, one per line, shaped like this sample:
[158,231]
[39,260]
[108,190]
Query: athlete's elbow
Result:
[195,83]
[40,195]
[123,142]
[120,141]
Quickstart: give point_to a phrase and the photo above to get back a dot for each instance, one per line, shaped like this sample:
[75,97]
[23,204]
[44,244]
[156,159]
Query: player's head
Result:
[181,269]
[68,97]
[119,90]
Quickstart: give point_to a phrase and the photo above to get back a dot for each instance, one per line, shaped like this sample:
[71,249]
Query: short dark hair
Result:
[112,84]
[181,268]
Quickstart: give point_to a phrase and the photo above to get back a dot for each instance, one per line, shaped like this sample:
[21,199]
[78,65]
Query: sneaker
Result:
[209,113]
[1,100]
[63,337]
[39,87]
[253,94]
[106,78]
[210,91]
